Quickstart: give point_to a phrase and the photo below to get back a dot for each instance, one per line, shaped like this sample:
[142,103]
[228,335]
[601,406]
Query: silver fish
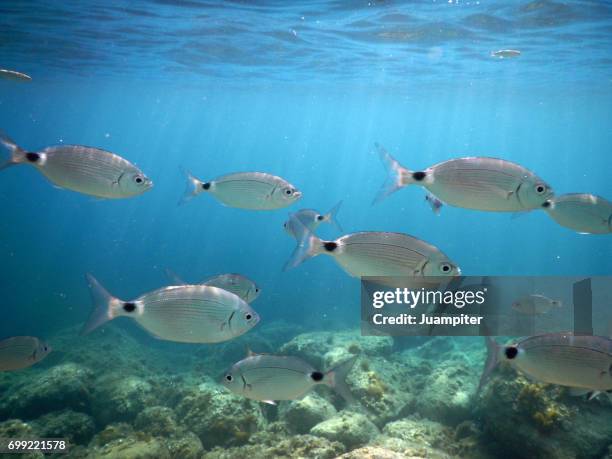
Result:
[245,190]
[581,212]
[21,352]
[82,169]
[581,362]
[535,304]
[14,75]
[435,204]
[375,254]
[472,183]
[238,284]
[505,53]
[186,313]
[311,219]
[271,377]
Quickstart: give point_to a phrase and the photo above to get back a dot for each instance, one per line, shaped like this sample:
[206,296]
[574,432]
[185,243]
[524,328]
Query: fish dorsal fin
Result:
[250,353]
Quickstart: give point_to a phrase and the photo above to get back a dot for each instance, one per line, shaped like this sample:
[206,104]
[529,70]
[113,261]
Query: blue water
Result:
[302,90]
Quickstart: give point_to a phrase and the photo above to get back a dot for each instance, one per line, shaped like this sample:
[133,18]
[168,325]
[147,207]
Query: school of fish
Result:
[218,308]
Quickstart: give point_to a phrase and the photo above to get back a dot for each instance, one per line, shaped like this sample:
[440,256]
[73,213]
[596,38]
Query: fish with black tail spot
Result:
[86,170]
[582,212]
[269,378]
[478,183]
[184,313]
[245,190]
[580,362]
[375,254]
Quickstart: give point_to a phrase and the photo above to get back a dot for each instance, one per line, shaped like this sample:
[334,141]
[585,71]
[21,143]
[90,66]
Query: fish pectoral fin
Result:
[593,394]
[269,402]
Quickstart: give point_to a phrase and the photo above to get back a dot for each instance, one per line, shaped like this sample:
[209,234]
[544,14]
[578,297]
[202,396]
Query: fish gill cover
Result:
[492,121]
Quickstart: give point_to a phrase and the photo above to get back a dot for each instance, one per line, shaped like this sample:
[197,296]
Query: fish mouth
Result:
[297,194]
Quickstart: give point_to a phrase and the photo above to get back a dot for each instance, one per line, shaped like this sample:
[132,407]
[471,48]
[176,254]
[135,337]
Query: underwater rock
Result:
[314,346]
[16,428]
[529,420]
[301,415]
[131,448]
[218,417]
[419,431]
[275,443]
[447,395]
[61,387]
[383,387]
[158,421]
[111,433]
[121,398]
[185,446]
[77,427]
[349,428]
[371,452]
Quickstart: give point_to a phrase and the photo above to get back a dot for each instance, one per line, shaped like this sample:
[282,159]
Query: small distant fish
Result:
[377,254]
[478,183]
[535,304]
[271,377]
[185,314]
[82,169]
[581,212]
[435,203]
[245,190]
[238,284]
[580,362]
[21,352]
[311,219]
[505,53]
[13,75]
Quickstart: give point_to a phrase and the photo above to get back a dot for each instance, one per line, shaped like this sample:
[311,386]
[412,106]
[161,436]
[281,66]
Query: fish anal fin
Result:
[578,391]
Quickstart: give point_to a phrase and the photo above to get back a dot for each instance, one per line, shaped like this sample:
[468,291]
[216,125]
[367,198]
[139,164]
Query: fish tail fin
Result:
[17,154]
[491,363]
[331,216]
[104,304]
[398,176]
[308,245]
[336,379]
[194,187]
[174,278]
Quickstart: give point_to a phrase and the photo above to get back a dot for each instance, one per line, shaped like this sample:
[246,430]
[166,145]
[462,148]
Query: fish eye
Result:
[248,316]
[256,290]
[45,348]
[288,191]
[511,352]
[228,378]
[138,179]
[540,188]
[320,217]
[446,267]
